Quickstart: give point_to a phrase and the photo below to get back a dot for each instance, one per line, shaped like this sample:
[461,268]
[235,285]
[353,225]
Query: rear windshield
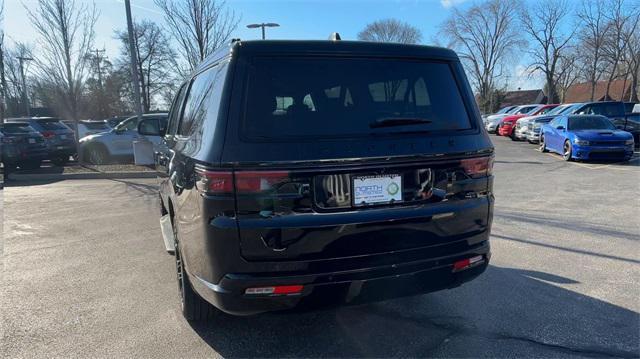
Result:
[526,110]
[329,97]
[590,123]
[16,128]
[95,125]
[52,125]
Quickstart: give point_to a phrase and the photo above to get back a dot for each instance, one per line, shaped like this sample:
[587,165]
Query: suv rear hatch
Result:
[343,157]
[57,135]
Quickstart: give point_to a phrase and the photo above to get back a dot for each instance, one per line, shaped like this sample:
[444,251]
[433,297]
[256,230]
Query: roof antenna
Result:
[334,36]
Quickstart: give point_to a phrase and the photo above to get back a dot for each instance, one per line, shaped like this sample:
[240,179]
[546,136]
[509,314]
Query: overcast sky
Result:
[299,19]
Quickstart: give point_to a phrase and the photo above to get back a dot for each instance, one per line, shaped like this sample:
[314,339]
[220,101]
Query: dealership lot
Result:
[85,275]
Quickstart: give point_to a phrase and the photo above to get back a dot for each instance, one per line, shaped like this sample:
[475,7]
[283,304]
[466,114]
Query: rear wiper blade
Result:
[398,121]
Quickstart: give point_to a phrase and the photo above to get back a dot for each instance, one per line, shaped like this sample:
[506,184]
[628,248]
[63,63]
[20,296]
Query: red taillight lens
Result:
[214,182]
[478,167]
[277,290]
[222,182]
[48,134]
[467,263]
[258,181]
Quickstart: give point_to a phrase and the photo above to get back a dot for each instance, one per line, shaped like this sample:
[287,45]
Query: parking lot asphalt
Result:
[85,275]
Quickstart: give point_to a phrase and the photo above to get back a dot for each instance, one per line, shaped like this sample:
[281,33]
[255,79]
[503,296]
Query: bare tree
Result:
[155,58]
[66,31]
[3,81]
[484,36]
[622,20]
[568,72]
[632,57]
[593,34]
[199,26]
[544,22]
[391,30]
[13,90]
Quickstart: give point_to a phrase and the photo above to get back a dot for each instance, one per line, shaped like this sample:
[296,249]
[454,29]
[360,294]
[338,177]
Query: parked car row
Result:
[22,146]
[577,131]
[58,139]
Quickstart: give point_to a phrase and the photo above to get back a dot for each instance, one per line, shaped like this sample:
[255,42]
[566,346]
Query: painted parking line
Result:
[634,159]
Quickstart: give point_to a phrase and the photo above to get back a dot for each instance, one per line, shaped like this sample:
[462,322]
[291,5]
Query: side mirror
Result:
[560,128]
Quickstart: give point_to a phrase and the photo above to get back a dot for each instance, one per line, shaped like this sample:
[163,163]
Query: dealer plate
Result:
[368,190]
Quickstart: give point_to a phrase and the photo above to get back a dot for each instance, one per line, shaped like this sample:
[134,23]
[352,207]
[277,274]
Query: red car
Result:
[507,126]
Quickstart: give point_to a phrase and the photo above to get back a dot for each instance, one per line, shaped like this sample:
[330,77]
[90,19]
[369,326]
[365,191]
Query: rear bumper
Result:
[341,287]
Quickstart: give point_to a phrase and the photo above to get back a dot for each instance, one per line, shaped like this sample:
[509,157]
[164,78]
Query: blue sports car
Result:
[586,137]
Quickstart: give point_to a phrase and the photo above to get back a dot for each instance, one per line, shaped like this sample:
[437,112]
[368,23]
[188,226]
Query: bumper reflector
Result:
[277,290]
[467,263]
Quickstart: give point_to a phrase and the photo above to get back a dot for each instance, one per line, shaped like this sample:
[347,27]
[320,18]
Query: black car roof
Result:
[317,47]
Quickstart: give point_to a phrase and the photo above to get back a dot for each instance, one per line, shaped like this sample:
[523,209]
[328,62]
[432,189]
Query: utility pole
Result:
[25,100]
[134,70]
[98,61]
[101,109]
[3,81]
[262,25]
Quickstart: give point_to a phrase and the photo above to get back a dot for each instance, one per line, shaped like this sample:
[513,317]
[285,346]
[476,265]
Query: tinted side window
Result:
[176,108]
[555,122]
[149,125]
[203,99]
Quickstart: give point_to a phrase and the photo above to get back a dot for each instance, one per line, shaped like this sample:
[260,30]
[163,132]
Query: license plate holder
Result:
[32,140]
[376,189]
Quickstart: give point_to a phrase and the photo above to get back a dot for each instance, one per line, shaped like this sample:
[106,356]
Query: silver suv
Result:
[117,144]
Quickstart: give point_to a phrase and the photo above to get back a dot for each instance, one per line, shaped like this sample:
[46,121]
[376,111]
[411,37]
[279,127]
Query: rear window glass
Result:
[11,128]
[329,97]
[95,125]
[52,125]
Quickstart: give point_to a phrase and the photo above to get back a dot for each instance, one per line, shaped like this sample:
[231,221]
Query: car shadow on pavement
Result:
[504,313]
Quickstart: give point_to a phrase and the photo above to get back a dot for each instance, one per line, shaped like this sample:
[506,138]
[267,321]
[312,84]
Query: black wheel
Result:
[98,155]
[513,136]
[60,160]
[194,308]
[543,144]
[30,165]
[566,151]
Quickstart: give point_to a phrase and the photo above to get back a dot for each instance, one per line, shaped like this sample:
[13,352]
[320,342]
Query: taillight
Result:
[48,134]
[224,182]
[214,182]
[258,181]
[478,167]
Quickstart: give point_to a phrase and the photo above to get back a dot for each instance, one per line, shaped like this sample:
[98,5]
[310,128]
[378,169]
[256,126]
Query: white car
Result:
[492,122]
[88,127]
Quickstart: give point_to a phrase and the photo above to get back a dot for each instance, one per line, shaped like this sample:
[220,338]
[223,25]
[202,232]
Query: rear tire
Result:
[30,165]
[543,145]
[513,136]
[98,155]
[60,160]
[194,308]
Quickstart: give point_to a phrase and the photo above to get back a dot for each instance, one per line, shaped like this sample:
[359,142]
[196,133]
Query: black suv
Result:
[298,172]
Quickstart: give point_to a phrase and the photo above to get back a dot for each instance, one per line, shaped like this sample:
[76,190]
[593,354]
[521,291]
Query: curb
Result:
[80,175]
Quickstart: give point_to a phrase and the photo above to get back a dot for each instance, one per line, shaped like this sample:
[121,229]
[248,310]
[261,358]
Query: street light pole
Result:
[25,100]
[262,26]
[134,69]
